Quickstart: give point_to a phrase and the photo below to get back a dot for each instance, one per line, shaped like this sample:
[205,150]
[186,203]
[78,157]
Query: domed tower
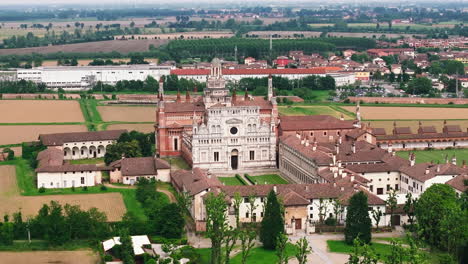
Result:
[216,91]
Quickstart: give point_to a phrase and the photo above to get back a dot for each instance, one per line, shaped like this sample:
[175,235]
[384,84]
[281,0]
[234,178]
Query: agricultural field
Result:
[15,134]
[414,124]
[144,128]
[40,111]
[266,179]
[409,113]
[122,46]
[310,110]
[437,156]
[127,113]
[41,257]
[111,204]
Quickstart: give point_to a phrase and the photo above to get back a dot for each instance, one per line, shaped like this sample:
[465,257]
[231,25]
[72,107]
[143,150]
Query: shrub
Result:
[108,258]
[73,188]
[347,101]
[103,188]
[42,190]
[85,188]
[241,179]
[10,152]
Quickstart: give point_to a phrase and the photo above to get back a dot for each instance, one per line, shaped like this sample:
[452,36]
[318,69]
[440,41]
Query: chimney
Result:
[307,142]
[314,146]
[412,159]
[275,189]
[426,171]
[352,178]
[340,140]
[187,96]
[342,117]
[178,100]
[342,189]
[298,135]
[334,159]
[335,174]
[307,187]
[337,148]
[344,174]
[390,147]
[208,174]
[334,184]
[353,147]
[438,168]
[454,160]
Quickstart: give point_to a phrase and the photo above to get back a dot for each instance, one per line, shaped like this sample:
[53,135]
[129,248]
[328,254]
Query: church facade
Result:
[219,131]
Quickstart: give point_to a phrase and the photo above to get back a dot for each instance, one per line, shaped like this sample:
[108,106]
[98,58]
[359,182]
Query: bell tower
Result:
[216,91]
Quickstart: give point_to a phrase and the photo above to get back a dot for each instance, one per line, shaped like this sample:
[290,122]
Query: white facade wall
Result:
[86,149]
[78,78]
[381,182]
[51,180]
[423,145]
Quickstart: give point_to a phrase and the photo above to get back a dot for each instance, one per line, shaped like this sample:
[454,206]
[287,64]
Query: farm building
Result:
[81,145]
[129,170]
[54,172]
[82,78]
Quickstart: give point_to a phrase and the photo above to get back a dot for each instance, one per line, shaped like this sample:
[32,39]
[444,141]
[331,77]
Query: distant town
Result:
[221,133]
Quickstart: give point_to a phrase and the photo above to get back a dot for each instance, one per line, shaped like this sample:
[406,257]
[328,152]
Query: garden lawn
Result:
[260,255]
[340,246]
[437,156]
[230,181]
[267,179]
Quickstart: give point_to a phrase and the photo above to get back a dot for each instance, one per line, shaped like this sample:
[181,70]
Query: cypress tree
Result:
[272,223]
[358,222]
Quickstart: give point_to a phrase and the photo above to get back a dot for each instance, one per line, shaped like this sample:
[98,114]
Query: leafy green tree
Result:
[272,222]
[358,222]
[216,224]
[303,249]
[6,233]
[392,204]
[247,239]
[420,85]
[170,222]
[126,248]
[377,215]
[281,244]
[362,253]
[124,149]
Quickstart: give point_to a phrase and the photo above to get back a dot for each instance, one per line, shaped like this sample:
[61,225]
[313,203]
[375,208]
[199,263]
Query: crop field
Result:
[39,111]
[145,128]
[310,110]
[127,113]
[437,156]
[24,133]
[122,46]
[110,203]
[414,125]
[409,113]
[59,257]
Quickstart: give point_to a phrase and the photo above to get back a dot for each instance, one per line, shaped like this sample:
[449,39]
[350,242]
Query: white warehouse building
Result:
[82,78]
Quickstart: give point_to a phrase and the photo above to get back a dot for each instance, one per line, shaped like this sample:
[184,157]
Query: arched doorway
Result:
[234,159]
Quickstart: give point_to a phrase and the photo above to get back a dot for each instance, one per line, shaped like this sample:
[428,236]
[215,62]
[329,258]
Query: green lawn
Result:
[25,179]
[438,156]
[340,246]
[88,161]
[267,179]
[308,110]
[320,95]
[230,181]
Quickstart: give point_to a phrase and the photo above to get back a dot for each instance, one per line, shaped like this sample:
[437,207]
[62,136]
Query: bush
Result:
[85,188]
[10,152]
[73,188]
[42,190]
[330,221]
[347,101]
[241,179]
[108,258]
[103,188]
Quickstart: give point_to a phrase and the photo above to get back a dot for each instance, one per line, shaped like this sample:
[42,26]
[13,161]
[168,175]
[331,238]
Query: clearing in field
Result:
[437,156]
[40,111]
[110,203]
[128,113]
[414,125]
[310,110]
[145,128]
[414,113]
[41,257]
[25,133]
[266,179]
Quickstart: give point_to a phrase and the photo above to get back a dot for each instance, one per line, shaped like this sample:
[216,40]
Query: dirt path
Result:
[169,194]
[43,257]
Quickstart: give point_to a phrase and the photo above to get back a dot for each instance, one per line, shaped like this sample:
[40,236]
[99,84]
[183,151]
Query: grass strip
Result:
[41,245]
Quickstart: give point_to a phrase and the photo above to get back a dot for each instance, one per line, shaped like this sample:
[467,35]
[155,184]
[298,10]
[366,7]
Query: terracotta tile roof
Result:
[68,168]
[427,129]
[321,156]
[459,183]
[61,138]
[402,130]
[292,198]
[379,131]
[254,101]
[422,136]
[140,166]
[194,181]
[50,157]
[313,122]
[452,129]
[184,107]
[426,171]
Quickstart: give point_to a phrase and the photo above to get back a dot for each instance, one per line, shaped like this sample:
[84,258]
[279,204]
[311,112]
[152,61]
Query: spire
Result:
[270,87]
[161,88]
[187,96]
[178,100]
